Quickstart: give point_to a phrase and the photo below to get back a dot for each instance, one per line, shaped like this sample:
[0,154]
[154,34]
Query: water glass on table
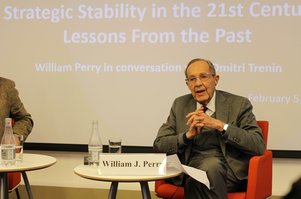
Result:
[115,145]
[19,148]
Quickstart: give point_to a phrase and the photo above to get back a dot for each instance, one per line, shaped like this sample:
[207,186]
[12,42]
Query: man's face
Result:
[201,82]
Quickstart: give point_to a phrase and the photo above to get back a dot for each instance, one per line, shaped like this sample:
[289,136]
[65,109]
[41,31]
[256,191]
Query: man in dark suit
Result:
[211,130]
[11,106]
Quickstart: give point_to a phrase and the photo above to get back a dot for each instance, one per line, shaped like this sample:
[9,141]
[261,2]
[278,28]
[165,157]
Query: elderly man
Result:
[211,130]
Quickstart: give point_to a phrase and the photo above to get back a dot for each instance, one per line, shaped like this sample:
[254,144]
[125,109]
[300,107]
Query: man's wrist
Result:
[185,139]
[225,127]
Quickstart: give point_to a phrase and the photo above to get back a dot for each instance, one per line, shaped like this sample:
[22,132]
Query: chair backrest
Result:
[264,125]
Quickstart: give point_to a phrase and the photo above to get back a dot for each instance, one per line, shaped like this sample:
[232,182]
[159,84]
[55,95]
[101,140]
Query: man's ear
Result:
[216,79]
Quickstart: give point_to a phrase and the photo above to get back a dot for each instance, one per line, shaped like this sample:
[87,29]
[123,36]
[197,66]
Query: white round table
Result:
[91,173]
[30,162]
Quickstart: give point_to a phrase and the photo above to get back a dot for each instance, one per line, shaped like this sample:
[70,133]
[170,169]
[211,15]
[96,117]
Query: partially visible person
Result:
[12,106]
[295,192]
[211,130]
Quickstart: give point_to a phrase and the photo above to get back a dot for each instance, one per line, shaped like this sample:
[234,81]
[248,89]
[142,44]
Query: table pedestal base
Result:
[144,189]
[27,185]
[3,186]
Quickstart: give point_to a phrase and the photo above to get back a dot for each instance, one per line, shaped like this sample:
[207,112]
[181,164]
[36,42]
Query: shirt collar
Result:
[210,106]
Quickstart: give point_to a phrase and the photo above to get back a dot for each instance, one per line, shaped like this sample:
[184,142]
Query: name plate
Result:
[124,164]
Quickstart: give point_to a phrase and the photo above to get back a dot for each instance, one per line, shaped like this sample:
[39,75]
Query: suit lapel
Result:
[190,107]
[222,113]
[221,107]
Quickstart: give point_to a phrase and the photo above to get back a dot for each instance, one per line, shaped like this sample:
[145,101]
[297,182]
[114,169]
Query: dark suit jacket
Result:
[242,140]
[11,106]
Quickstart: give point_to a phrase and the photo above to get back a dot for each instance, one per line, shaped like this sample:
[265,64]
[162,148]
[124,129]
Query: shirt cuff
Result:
[185,139]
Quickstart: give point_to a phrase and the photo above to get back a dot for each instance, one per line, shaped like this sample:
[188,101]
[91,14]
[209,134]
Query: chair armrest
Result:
[158,183]
[260,176]
[164,189]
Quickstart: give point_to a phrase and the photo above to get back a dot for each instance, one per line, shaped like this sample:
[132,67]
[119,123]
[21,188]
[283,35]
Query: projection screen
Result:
[122,63]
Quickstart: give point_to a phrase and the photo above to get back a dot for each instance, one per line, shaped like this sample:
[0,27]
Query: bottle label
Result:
[8,152]
[94,154]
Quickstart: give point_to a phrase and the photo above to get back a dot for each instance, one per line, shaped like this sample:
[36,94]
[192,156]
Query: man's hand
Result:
[198,119]
[195,123]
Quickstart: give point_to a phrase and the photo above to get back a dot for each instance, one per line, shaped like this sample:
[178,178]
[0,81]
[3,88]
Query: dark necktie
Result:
[204,109]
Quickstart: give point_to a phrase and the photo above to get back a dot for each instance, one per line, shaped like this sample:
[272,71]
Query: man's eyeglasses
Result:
[202,77]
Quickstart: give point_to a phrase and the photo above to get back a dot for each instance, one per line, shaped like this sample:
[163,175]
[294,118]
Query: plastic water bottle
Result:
[8,147]
[95,145]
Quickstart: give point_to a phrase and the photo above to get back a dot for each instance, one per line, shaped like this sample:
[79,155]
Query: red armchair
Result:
[14,179]
[259,177]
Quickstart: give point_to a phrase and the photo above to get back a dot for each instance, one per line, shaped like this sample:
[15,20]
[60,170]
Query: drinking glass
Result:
[115,145]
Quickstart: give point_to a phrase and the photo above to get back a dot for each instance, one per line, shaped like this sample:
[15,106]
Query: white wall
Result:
[285,172]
